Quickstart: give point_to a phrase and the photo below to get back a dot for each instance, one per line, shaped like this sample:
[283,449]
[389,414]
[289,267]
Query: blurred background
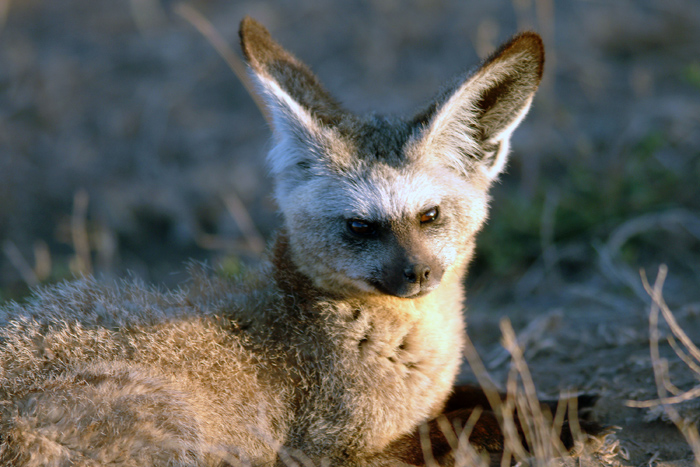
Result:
[127,145]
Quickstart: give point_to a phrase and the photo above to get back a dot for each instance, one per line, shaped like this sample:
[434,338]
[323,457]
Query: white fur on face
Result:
[390,195]
[316,212]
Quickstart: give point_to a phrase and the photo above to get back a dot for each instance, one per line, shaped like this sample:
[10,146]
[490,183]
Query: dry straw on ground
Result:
[685,349]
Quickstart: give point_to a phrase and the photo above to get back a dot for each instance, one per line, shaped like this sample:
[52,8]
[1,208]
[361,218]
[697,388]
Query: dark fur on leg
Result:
[470,396]
[486,436]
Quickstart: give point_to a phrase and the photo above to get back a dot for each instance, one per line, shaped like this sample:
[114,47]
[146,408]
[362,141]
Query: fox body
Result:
[336,350]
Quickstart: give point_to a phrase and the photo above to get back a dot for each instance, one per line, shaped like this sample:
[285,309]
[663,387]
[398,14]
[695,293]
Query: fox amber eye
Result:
[360,227]
[429,216]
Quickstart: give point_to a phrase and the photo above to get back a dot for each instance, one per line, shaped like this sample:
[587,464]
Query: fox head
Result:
[377,205]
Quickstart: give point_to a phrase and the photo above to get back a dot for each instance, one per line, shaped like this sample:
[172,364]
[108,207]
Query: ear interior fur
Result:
[271,62]
[469,127]
[472,125]
[303,112]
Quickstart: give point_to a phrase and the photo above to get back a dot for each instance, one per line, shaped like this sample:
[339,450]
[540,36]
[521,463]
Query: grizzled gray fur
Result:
[340,346]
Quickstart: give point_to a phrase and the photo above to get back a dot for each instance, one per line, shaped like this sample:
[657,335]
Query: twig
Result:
[4,10]
[42,260]
[658,306]
[233,61]
[510,430]
[106,246]
[544,9]
[79,234]
[458,439]
[23,268]
[486,35]
[560,414]
[450,431]
[664,220]
[668,220]
[683,355]
[618,272]
[543,443]
[245,223]
[686,396]
[534,332]
[502,410]
[425,446]
[675,328]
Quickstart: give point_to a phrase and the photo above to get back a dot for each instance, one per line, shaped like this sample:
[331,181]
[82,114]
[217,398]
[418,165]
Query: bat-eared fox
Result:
[340,349]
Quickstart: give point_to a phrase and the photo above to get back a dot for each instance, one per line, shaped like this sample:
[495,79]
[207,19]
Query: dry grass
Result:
[234,62]
[597,68]
[685,349]
[541,428]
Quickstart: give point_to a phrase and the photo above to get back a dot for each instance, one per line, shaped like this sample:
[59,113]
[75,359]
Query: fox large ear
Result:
[301,110]
[471,125]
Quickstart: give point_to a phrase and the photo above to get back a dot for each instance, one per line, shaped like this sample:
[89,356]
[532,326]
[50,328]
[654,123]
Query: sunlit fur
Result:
[316,355]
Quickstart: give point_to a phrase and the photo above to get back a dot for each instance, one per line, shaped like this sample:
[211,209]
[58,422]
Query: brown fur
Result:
[334,350]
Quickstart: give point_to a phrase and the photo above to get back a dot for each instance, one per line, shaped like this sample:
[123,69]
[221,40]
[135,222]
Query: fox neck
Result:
[410,348]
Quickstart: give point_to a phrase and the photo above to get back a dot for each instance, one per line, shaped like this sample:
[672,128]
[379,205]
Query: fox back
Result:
[346,339]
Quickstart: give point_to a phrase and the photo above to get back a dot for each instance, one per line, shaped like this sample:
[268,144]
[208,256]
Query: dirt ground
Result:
[121,123]
[590,341]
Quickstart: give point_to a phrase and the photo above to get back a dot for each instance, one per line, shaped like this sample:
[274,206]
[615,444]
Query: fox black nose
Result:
[418,273]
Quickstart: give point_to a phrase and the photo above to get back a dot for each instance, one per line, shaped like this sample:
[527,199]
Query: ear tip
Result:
[532,41]
[253,35]
[530,36]
[250,26]
[536,46]
[528,43]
